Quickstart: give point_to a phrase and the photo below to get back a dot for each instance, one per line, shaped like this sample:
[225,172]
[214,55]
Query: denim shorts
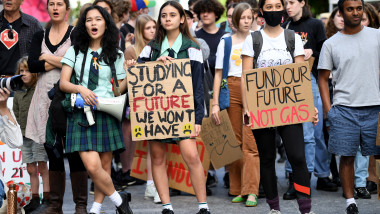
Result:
[351,127]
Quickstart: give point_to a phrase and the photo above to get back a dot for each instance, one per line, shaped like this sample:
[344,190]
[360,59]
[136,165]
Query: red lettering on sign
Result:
[201,151]
[281,116]
[300,108]
[264,117]
[180,173]
[175,149]
[138,165]
[2,157]
[3,172]
[14,156]
[135,106]
[184,102]
[174,99]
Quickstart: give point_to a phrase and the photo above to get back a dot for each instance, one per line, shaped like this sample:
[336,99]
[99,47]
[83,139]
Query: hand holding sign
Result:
[279,95]
[161,100]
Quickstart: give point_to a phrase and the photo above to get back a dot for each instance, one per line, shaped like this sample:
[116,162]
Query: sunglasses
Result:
[10,32]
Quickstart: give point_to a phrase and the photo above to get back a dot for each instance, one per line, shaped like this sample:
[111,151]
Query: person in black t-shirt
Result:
[16,29]
[313,35]
[210,11]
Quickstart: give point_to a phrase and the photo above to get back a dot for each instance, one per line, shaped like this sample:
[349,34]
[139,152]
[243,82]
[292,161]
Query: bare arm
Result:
[215,98]
[51,61]
[323,81]
[4,111]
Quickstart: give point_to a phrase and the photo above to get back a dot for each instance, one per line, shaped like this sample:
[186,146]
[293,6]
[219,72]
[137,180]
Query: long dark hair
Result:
[373,15]
[109,40]
[331,29]
[306,12]
[183,28]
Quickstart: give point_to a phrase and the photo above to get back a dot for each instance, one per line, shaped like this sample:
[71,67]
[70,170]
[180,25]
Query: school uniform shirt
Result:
[273,52]
[104,88]
[176,46]
[188,49]
[235,62]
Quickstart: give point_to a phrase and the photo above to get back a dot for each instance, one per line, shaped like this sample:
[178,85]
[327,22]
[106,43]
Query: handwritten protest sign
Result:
[220,141]
[279,95]
[178,173]
[161,100]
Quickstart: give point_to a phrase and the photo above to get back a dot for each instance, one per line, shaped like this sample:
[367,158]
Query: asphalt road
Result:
[220,202]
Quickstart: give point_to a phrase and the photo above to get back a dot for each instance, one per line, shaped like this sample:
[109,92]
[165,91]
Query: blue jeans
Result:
[317,156]
[361,169]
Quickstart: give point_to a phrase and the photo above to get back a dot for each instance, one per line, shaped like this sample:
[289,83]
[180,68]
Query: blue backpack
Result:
[224,94]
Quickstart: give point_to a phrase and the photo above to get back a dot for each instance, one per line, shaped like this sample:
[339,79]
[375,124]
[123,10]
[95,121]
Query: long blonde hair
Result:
[140,41]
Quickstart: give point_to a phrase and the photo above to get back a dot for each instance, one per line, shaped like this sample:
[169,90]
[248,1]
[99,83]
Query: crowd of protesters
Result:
[90,58]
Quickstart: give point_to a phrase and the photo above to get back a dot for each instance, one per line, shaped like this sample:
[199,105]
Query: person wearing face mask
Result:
[313,35]
[274,52]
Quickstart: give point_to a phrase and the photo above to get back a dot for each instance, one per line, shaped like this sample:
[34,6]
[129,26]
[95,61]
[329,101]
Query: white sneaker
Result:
[274,212]
[157,199]
[150,191]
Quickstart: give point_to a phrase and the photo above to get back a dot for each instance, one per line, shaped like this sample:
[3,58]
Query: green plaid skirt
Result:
[104,136]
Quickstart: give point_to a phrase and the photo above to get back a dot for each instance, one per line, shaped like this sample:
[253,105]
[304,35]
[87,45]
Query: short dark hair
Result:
[209,6]
[341,2]
[262,2]
[191,2]
[189,13]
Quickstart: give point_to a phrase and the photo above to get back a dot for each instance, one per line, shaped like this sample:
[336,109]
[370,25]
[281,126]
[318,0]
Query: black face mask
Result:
[273,18]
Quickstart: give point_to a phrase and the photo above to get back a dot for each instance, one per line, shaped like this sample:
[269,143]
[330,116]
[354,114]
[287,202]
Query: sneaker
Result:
[363,193]
[274,212]
[336,180]
[352,209]
[326,185]
[203,211]
[371,187]
[208,191]
[211,181]
[33,204]
[156,198]
[119,188]
[124,208]
[149,191]
[167,211]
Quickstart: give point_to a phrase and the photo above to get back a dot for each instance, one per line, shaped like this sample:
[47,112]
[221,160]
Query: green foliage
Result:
[319,6]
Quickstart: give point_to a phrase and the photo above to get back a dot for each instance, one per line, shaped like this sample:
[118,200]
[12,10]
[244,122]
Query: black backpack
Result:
[257,41]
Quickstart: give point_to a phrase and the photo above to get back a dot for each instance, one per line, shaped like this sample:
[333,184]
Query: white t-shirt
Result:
[273,52]
[235,67]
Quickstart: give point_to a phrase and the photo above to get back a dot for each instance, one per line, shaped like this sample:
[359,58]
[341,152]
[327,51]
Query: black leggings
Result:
[292,137]
[56,162]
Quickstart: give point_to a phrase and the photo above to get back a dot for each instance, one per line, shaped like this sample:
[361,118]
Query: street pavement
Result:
[220,203]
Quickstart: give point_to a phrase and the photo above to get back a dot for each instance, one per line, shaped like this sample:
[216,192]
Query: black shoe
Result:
[174,192]
[290,194]
[355,195]
[211,181]
[226,180]
[92,188]
[119,188]
[45,203]
[208,191]
[124,208]
[371,187]
[261,191]
[33,204]
[203,211]
[363,193]
[167,211]
[336,180]
[352,209]
[326,185]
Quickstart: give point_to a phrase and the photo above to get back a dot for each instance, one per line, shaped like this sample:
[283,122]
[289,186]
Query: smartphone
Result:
[246,119]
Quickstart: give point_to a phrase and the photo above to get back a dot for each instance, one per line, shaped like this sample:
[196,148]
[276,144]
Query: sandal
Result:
[239,199]
[249,203]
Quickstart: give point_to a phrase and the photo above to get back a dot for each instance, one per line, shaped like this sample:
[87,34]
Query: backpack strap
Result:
[257,42]
[227,54]
[290,40]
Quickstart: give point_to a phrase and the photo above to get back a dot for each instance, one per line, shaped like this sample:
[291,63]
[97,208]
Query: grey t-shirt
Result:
[355,64]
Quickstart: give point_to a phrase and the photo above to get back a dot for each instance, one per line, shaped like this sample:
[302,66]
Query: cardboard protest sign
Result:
[178,173]
[279,95]
[220,141]
[161,100]
[378,133]
[378,177]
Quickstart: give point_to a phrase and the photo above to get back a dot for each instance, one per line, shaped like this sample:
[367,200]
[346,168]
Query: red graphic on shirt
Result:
[9,43]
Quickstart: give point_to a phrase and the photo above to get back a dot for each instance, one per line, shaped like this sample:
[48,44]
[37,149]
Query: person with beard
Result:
[274,52]
[353,116]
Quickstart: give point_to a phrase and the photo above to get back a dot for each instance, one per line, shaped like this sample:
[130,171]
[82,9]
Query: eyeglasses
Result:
[10,32]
